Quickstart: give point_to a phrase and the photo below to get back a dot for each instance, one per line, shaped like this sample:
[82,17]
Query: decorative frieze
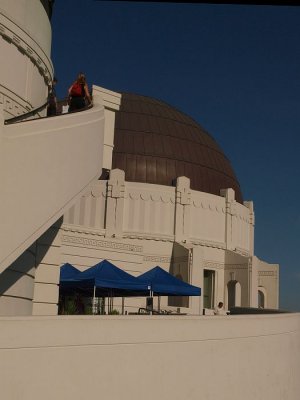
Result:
[267,273]
[148,236]
[149,196]
[15,35]
[165,259]
[236,266]
[157,259]
[97,243]
[208,264]
[208,243]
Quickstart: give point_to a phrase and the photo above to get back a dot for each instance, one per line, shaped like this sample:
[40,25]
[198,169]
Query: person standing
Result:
[79,94]
[52,101]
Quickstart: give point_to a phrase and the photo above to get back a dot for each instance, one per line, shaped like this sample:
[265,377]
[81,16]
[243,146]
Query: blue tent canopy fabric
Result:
[108,280]
[164,284]
[68,271]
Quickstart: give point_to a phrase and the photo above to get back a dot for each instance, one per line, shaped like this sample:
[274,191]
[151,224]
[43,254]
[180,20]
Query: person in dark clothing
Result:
[79,95]
[52,102]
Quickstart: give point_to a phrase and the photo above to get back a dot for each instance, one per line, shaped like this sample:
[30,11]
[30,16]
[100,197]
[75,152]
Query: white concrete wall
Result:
[116,216]
[89,211]
[17,285]
[25,43]
[224,358]
[208,218]
[268,282]
[149,210]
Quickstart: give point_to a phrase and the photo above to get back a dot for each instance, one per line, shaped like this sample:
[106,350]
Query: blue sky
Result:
[233,68]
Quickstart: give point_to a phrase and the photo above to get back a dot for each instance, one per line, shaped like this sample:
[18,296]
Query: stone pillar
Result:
[249,205]
[196,279]
[182,209]
[115,203]
[253,281]
[230,224]
[17,285]
[111,102]
[48,262]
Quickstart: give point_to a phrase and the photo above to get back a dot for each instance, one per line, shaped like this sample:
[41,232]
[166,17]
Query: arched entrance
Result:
[234,294]
[262,297]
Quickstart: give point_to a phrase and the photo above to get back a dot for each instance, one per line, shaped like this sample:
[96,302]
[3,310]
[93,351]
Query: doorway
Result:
[208,289]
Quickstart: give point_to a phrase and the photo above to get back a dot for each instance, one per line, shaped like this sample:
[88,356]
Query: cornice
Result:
[13,34]
[207,243]
[148,236]
[242,252]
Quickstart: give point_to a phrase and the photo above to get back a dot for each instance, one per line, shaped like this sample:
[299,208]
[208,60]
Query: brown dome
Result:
[155,143]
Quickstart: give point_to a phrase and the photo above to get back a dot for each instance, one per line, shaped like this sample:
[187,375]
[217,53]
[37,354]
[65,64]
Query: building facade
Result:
[157,191]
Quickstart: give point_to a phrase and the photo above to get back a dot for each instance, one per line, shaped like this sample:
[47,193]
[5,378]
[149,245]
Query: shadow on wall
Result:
[180,269]
[24,268]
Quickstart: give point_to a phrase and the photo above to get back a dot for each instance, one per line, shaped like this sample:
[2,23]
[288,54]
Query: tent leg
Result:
[94,300]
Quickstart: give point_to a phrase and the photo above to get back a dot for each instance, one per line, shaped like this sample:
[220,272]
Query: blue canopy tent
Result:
[102,280]
[67,272]
[164,284]
[106,278]
[67,275]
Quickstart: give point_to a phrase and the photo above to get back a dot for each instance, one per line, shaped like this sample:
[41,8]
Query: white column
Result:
[230,224]
[249,205]
[115,203]
[253,281]
[48,262]
[196,279]
[182,209]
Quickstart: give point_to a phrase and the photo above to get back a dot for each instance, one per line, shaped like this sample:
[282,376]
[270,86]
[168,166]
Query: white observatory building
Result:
[139,183]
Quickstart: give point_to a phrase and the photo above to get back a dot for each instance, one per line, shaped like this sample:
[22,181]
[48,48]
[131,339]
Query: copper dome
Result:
[155,143]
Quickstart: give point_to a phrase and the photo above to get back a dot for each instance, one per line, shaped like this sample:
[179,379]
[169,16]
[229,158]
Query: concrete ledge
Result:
[254,357]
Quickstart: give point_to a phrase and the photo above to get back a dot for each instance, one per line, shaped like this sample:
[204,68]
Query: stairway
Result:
[45,166]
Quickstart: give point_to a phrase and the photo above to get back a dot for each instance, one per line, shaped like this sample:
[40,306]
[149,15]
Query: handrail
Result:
[26,115]
[19,118]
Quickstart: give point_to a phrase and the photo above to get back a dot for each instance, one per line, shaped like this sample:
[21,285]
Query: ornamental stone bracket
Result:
[116,184]
[182,209]
[230,217]
[115,203]
[249,205]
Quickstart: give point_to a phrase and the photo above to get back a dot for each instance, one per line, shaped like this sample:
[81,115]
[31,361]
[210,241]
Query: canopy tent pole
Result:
[123,305]
[151,295]
[94,300]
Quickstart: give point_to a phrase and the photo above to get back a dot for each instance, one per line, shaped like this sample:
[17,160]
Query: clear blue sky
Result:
[235,69]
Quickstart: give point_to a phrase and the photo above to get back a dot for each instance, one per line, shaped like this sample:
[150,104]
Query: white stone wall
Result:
[149,209]
[90,210]
[25,43]
[268,282]
[17,284]
[138,226]
[133,225]
[208,219]
[134,357]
